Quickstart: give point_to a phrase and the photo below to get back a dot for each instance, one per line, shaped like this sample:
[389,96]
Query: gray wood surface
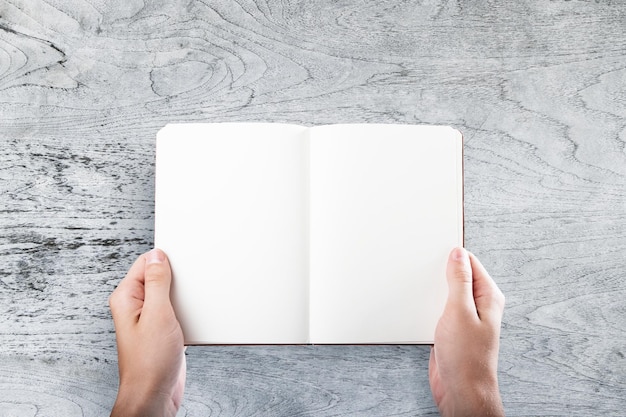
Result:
[537,87]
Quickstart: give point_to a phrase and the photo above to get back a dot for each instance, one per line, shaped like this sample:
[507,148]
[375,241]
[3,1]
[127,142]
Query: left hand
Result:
[150,345]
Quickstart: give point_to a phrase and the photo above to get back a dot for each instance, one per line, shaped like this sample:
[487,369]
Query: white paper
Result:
[385,211]
[231,215]
[282,234]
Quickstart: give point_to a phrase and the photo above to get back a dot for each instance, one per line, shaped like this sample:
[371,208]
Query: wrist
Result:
[482,398]
[131,402]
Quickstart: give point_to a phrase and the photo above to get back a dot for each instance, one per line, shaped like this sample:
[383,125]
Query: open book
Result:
[280,233]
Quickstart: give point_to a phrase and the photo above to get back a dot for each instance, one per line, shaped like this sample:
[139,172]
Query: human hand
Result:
[464,359]
[151,356]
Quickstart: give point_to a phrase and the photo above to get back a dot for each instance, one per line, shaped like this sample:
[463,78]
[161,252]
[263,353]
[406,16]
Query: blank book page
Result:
[386,208]
[231,214]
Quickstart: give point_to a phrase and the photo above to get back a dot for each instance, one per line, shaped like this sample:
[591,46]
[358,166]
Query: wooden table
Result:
[537,87]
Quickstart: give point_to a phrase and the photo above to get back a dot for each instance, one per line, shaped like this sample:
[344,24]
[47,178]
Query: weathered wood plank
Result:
[538,88]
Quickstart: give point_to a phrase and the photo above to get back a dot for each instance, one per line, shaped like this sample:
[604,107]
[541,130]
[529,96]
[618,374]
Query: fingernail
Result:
[155,256]
[459,255]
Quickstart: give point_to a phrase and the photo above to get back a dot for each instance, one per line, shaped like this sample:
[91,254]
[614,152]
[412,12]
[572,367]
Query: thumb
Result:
[158,277]
[459,274]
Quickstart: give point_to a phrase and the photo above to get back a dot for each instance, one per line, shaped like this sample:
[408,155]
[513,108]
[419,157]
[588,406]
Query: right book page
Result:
[386,208]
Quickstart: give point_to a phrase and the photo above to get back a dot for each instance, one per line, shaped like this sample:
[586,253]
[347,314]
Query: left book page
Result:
[231,214]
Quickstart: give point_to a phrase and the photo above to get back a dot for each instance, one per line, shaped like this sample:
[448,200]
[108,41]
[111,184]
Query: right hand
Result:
[464,359]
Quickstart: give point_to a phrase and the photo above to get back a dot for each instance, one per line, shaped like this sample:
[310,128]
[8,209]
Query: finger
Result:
[433,377]
[487,296]
[158,277]
[128,297]
[432,364]
[459,274]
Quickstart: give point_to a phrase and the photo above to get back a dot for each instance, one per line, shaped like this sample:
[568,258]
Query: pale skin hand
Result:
[464,359]
[150,346]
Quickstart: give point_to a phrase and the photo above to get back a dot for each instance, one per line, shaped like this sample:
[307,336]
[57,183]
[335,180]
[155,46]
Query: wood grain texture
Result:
[537,87]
